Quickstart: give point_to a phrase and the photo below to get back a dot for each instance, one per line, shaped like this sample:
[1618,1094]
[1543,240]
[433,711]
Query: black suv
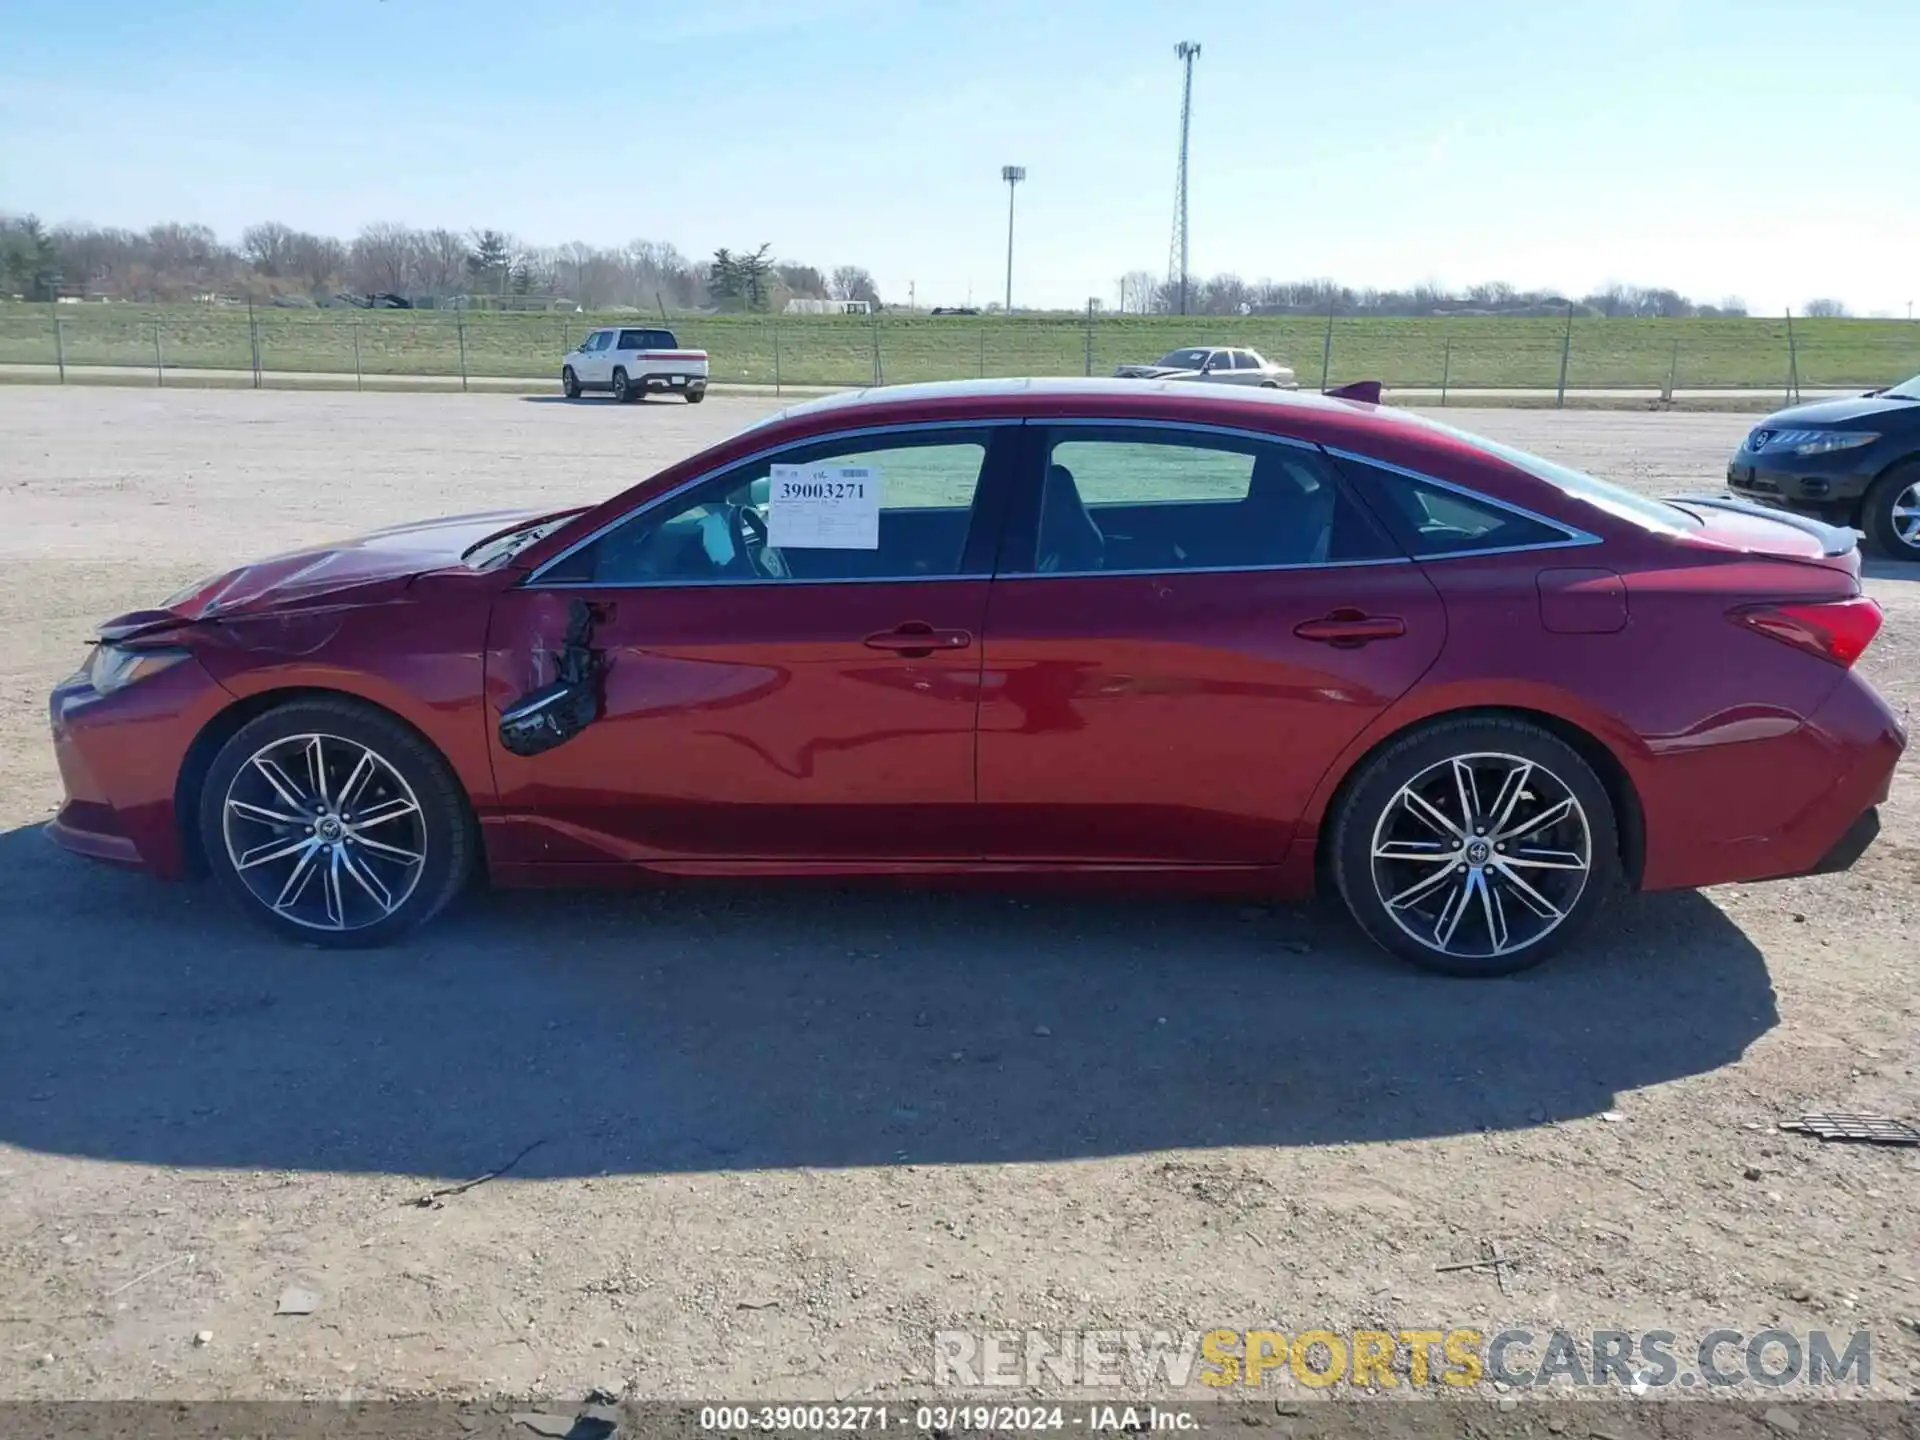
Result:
[1851,462]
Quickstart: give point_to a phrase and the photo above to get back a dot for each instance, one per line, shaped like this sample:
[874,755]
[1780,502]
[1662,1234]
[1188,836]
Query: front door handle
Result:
[916,639]
[1349,628]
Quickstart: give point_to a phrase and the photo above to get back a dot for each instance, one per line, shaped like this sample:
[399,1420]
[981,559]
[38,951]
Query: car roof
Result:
[1045,395]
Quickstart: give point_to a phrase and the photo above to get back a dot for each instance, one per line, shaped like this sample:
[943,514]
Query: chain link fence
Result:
[1430,354]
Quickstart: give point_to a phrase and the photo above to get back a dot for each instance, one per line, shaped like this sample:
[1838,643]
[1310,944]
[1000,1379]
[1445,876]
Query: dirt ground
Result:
[782,1137]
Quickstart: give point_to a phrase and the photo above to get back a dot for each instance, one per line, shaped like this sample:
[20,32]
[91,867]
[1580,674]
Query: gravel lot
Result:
[786,1135]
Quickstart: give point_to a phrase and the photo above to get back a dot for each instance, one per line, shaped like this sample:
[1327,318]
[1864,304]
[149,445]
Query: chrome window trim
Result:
[1575,536]
[1204,426]
[897,428]
[767,583]
[971,576]
[1005,576]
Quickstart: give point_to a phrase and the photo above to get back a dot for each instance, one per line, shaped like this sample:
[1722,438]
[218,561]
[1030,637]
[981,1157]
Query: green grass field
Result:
[1469,352]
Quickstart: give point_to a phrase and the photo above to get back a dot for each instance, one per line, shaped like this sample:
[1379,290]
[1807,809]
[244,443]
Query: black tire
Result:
[623,390]
[440,824]
[1490,746]
[694,397]
[569,383]
[1898,488]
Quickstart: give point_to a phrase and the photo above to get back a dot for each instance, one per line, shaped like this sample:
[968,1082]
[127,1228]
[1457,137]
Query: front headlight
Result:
[114,667]
[1835,440]
[1818,442]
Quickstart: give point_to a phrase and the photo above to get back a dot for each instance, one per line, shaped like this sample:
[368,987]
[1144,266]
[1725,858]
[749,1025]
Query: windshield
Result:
[1184,359]
[502,548]
[1907,389]
[1615,499]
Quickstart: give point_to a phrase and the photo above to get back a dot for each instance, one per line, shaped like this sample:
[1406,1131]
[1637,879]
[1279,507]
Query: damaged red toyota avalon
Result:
[1144,633]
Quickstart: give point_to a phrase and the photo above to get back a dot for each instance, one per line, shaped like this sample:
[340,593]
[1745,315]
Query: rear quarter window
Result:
[1433,520]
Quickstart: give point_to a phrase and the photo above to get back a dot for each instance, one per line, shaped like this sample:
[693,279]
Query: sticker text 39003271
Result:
[824,507]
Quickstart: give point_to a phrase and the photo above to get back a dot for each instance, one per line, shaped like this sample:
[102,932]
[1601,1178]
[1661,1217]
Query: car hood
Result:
[1840,412]
[1152,372]
[365,566]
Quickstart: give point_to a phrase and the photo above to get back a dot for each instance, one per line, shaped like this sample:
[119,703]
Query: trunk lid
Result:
[1776,534]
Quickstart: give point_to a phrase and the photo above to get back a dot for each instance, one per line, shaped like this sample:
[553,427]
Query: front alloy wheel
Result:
[569,383]
[334,824]
[1891,514]
[324,832]
[1475,848]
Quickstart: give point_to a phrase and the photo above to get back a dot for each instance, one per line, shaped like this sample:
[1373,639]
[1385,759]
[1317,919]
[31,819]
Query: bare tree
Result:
[382,258]
[318,263]
[802,280]
[657,272]
[1137,291]
[1223,295]
[440,262]
[98,259]
[1824,310]
[269,247]
[852,282]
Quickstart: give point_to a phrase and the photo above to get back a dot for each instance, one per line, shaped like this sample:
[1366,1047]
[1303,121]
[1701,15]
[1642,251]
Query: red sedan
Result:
[1143,633]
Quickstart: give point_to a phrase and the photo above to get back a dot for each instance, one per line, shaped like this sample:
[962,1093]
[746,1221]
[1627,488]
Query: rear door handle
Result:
[916,639]
[1349,628]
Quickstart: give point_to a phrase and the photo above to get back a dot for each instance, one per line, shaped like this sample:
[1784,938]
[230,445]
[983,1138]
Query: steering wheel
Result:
[749,528]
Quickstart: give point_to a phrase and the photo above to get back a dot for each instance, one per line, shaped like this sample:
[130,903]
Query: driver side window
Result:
[923,487]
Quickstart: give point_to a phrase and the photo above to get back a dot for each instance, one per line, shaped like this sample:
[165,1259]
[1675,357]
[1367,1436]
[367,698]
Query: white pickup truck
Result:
[629,361]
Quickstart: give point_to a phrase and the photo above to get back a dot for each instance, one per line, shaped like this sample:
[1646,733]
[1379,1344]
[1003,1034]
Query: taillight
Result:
[1836,630]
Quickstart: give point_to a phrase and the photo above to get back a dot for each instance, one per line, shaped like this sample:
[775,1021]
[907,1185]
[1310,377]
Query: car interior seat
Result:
[1287,517]
[1070,539]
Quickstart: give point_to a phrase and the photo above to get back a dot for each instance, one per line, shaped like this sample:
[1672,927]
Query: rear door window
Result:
[633,340]
[1127,499]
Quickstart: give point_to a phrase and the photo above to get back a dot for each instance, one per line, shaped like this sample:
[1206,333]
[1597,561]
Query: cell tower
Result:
[1188,51]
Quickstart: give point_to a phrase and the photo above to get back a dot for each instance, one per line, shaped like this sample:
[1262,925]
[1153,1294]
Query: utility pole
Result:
[1013,175]
[1188,51]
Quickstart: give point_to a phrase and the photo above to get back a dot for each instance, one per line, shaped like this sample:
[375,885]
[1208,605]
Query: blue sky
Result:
[1723,147]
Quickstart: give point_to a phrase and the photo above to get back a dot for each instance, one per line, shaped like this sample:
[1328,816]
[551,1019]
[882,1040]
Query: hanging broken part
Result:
[555,713]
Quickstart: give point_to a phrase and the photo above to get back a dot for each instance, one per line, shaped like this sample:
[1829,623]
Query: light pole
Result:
[1013,175]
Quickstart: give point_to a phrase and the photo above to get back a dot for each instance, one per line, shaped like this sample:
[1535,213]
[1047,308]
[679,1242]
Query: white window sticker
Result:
[823,507]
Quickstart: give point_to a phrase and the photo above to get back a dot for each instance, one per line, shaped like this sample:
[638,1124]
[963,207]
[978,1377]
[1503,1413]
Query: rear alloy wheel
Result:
[1475,847]
[569,383]
[694,397]
[622,387]
[334,824]
[1891,513]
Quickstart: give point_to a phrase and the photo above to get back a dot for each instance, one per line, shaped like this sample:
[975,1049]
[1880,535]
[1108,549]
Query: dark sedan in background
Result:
[1850,462]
